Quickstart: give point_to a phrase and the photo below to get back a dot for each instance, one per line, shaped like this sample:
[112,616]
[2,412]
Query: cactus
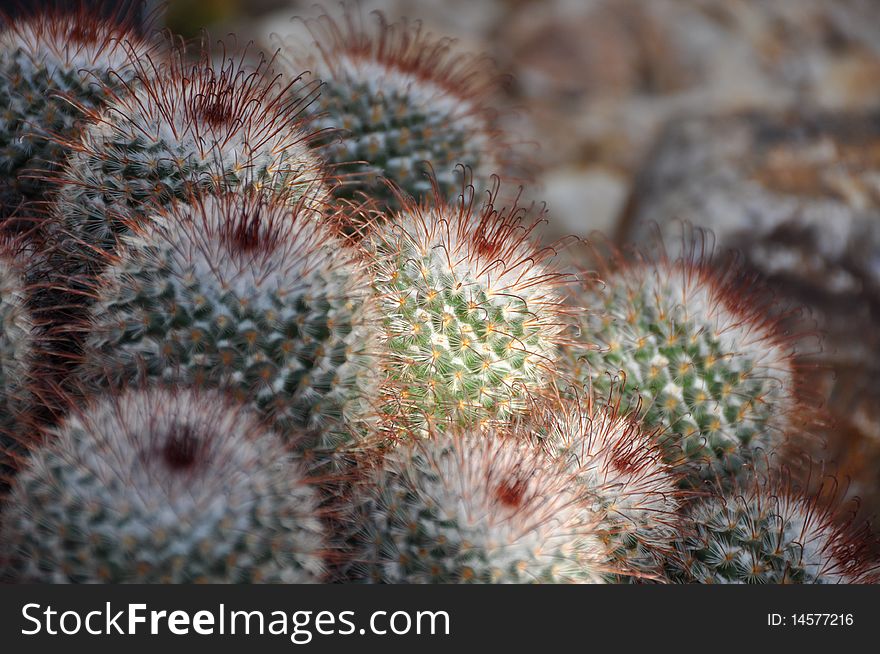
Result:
[620,470]
[472,508]
[716,377]
[768,534]
[16,349]
[185,129]
[162,486]
[400,103]
[244,292]
[49,63]
[472,314]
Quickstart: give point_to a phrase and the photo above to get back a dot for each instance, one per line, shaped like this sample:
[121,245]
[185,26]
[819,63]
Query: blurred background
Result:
[757,119]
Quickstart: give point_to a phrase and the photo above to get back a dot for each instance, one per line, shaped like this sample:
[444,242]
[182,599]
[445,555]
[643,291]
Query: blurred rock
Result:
[599,78]
[799,195]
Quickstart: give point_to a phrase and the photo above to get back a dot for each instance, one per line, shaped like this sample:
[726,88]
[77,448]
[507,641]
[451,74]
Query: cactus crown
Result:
[714,373]
[49,63]
[184,128]
[403,103]
[472,312]
[619,469]
[473,508]
[769,533]
[246,292]
[162,486]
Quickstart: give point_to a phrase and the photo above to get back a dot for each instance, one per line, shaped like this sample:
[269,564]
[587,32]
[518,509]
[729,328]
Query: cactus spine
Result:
[51,64]
[472,509]
[472,314]
[243,292]
[401,103]
[162,486]
[715,377]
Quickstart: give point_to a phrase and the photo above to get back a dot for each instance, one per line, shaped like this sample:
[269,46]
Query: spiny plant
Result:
[162,486]
[183,129]
[768,533]
[472,508]
[400,102]
[50,64]
[715,374]
[619,470]
[245,292]
[471,307]
[16,347]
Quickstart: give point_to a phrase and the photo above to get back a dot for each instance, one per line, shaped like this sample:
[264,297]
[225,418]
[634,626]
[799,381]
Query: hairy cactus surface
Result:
[244,292]
[620,471]
[186,128]
[52,65]
[473,509]
[400,103]
[768,534]
[714,374]
[472,312]
[16,347]
[162,486]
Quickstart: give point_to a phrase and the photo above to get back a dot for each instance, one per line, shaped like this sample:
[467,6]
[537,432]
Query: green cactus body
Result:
[471,314]
[766,536]
[625,482]
[249,294]
[472,509]
[400,104]
[186,129]
[713,375]
[162,486]
[51,67]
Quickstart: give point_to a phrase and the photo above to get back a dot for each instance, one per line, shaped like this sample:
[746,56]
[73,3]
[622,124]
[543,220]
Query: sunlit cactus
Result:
[162,486]
[713,371]
[620,471]
[400,103]
[247,293]
[768,533]
[186,128]
[472,509]
[52,65]
[472,311]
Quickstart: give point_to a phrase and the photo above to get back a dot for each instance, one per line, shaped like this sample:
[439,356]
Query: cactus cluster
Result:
[399,103]
[270,350]
[53,66]
[472,508]
[472,311]
[161,486]
[243,292]
[689,342]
